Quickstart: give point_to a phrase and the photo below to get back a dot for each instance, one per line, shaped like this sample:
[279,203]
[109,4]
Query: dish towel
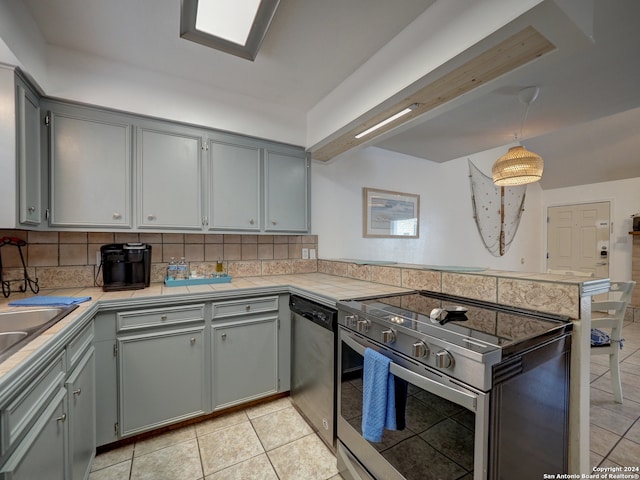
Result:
[378,396]
[48,301]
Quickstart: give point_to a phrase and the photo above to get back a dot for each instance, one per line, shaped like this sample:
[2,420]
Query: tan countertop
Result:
[324,287]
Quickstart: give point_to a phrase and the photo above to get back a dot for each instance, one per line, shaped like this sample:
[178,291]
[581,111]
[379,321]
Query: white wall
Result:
[624,196]
[448,234]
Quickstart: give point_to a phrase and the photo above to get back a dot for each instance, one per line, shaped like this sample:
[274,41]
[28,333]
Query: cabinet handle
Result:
[163,317]
[31,209]
[247,308]
[223,336]
[151,216]
[61,418]
[77,392]
[193,341]
[273,222]
[117,216]
[251,222]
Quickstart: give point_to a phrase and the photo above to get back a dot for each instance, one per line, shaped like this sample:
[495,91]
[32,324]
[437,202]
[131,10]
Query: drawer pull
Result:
[77,392]
[223,336]
[61,418]
[193,341]
[163,317]
[247,308]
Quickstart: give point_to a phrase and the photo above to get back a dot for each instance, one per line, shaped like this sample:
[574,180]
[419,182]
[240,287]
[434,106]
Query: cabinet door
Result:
[82,417]
[234,187]
[286,192]
[90,170]
[245,361]
[28,149]
[169,178]
[41,454]
[161,378]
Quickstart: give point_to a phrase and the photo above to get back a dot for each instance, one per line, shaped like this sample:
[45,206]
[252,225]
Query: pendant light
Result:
[519,166]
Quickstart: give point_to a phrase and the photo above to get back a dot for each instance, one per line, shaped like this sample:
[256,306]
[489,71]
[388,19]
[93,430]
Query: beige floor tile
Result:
[601,440]
[307,458]
[171,437]
[117,455]
[281,427]
[119,471]
[595,459]
[634,433]
[223,421]
[258,468]
[176,462]
[610,420]
[626,453]
[270,407]
[228,446]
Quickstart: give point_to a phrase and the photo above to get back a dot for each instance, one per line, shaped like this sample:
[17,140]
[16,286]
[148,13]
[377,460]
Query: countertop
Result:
[322,287]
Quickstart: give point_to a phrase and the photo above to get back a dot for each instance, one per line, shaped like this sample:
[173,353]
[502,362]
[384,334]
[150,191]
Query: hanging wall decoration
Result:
[496,210]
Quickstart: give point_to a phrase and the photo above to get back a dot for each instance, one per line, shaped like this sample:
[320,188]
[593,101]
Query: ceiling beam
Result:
[513,52]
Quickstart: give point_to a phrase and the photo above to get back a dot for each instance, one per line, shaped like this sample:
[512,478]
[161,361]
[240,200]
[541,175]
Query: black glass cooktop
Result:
[449,317]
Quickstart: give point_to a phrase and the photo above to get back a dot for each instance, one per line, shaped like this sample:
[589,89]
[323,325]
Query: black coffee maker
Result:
[125,266]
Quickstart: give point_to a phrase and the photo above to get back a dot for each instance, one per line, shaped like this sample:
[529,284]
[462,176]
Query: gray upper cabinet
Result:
[90,162]
[109,170]
[28,153]
[287,193]
[234,192]
[169,178]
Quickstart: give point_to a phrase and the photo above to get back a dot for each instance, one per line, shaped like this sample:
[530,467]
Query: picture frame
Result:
[389,214]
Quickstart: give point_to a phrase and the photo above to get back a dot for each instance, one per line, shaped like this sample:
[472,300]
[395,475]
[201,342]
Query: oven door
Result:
[445,434]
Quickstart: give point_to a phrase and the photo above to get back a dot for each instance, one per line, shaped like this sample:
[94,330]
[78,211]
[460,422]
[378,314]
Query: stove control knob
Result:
[351,321]
[363,326]
[419,349]
[444,359]
[389,336]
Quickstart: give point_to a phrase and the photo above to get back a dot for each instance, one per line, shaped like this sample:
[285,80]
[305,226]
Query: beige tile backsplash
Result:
[68,259]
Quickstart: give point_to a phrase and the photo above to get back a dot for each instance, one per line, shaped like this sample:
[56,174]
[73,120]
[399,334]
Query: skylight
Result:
[232,26]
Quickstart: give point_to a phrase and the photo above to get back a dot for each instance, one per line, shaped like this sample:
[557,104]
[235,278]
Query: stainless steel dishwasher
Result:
[313,359]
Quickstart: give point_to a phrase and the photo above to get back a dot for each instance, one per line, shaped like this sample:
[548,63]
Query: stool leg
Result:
[614,367]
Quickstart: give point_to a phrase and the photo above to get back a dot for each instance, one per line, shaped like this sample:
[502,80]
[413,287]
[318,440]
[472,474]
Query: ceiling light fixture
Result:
[519,166]
[388,120]
[237,27]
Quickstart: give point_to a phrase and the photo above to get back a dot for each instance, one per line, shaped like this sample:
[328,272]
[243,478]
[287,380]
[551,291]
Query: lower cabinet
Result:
[48,429]
[81,394]
[245,360]
[162,378]
[41,454]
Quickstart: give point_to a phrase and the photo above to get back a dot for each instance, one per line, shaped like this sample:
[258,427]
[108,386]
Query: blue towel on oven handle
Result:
[378,396]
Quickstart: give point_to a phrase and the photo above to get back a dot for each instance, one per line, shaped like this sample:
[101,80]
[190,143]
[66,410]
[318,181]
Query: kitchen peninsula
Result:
[336,280]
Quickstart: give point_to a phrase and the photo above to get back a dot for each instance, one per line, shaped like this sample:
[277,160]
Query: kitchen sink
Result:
[18,327]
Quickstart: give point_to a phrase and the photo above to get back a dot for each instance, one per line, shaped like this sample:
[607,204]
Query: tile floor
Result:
[273,442]
[266,442]
[615,428]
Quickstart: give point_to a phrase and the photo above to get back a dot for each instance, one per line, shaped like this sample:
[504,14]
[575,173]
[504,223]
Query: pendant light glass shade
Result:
[517,167]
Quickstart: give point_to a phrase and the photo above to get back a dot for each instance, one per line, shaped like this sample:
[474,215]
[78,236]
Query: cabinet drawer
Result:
[159,317]
[245,306]
[80,344]
[25,409]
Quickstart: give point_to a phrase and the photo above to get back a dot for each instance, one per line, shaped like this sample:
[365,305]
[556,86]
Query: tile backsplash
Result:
[69,259]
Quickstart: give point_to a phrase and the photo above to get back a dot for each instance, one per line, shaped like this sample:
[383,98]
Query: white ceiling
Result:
[313,46]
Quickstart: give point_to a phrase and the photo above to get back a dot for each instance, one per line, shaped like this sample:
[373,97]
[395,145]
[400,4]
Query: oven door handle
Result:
[453,393]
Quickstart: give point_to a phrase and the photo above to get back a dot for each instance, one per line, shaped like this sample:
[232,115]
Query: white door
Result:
[578,238]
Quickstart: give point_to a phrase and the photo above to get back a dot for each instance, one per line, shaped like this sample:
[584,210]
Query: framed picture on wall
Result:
[388,214]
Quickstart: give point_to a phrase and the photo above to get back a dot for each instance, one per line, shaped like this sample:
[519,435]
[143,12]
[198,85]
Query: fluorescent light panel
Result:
[228,19]
[387,120]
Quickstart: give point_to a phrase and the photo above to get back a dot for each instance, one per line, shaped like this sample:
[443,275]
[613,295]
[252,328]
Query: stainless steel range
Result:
[481,391]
